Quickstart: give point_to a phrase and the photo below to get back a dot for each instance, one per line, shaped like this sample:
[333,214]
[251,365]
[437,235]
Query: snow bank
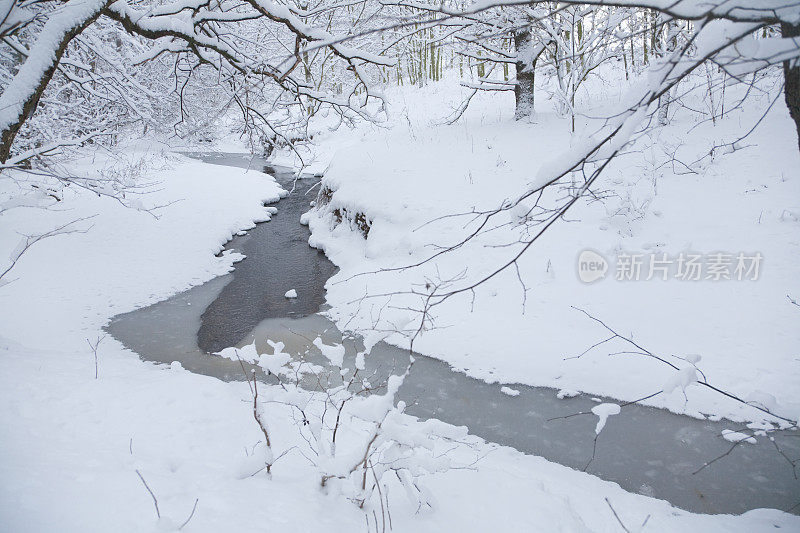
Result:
[72,446]
[206,206]
[410,181]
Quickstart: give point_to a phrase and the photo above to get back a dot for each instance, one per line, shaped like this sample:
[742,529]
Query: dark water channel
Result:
[645,450]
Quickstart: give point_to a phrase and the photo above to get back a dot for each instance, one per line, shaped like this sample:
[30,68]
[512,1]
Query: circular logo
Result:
[591,266]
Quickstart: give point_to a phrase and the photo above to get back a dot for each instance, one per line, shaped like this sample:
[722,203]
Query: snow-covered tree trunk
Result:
[20,97]
[663,110]
[791,78]
[669,46]
[526,70]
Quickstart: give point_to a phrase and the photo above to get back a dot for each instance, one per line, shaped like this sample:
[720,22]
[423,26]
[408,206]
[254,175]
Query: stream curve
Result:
[643,449]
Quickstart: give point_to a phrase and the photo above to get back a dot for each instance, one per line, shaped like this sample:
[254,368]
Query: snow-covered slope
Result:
[72,447]
[522,326]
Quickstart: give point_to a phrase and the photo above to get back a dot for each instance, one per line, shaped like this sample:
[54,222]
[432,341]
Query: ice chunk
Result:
[273,363]
[334,353]
[374,337]
[360,361]
[603,411]
[248,353]
[735,436]
[291,293]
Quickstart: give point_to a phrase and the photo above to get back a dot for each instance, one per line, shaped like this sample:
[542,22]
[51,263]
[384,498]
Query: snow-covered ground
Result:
[72,447]
[409,181]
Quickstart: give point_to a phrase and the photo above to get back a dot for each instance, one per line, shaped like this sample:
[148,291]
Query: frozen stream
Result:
[646,450]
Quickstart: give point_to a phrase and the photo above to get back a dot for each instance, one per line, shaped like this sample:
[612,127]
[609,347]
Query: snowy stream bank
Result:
[645,450]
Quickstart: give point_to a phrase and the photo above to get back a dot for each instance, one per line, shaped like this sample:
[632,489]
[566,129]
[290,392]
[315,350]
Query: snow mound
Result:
[603,411]
[736,436]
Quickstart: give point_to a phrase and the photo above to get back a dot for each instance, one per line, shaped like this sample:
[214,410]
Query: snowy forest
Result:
[399,265]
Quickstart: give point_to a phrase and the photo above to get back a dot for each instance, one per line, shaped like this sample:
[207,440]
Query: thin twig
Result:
[155,500]
[617,516]
[194,508]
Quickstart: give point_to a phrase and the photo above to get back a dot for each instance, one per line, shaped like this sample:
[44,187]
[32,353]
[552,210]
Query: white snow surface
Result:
[410,180]
[71,445]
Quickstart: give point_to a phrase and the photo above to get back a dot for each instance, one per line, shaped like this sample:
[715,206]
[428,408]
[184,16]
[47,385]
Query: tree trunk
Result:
[663,109]
[668,47]
[20,98]
[791,79]
[526,71]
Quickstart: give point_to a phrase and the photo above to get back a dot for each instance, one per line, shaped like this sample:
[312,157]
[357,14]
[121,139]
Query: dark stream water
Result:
[646,450]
